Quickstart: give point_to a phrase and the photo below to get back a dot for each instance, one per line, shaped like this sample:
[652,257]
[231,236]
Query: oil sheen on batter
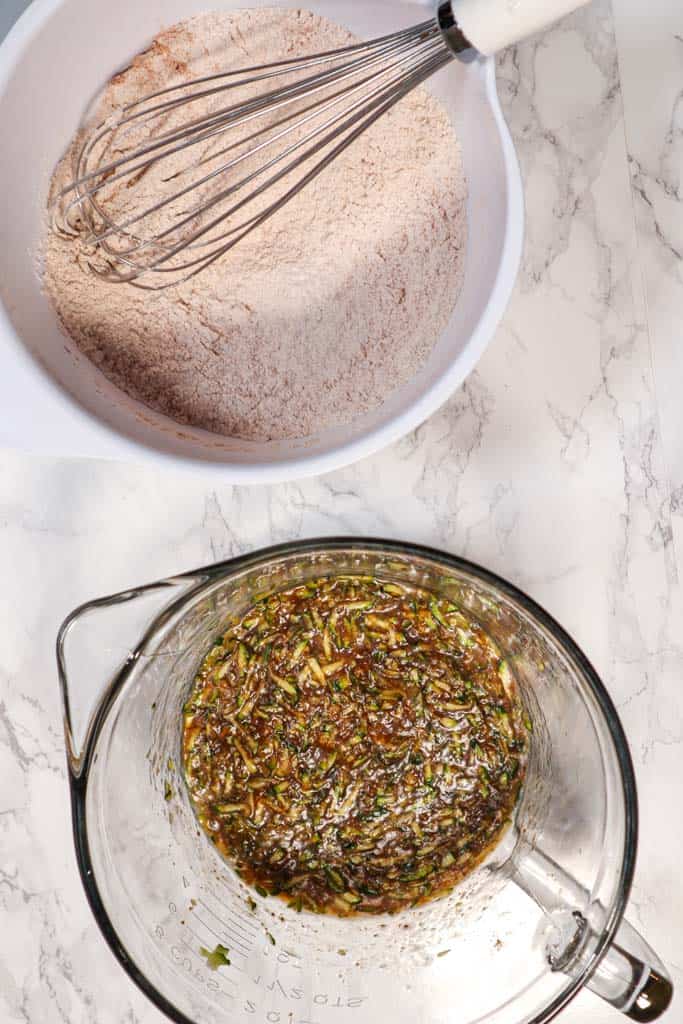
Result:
[354,745]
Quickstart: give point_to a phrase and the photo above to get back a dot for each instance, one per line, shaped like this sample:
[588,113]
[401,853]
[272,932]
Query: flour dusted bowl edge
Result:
[56,404]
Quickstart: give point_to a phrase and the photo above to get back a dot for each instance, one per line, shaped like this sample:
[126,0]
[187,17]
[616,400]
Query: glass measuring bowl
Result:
[540,918]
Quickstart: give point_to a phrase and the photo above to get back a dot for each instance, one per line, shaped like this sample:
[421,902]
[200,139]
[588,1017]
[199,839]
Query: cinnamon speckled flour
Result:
[324,309]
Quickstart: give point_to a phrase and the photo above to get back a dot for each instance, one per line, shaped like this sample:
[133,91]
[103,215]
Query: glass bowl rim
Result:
[207,576]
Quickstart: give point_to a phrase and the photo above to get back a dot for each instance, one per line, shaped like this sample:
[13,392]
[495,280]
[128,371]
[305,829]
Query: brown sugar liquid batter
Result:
[353,745]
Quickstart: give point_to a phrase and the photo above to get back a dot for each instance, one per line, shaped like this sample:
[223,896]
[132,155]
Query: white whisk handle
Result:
[492,25]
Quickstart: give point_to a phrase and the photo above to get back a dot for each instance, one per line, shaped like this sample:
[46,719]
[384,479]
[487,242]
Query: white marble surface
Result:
[555,465]
[650,47]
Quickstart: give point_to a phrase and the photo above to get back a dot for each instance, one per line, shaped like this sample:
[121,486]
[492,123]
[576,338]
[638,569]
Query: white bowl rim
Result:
[297,466]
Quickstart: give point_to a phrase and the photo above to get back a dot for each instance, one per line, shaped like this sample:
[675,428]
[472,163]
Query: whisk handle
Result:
[491,25]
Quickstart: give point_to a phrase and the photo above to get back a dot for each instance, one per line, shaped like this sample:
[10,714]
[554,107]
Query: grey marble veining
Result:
[651,61]
[548,466]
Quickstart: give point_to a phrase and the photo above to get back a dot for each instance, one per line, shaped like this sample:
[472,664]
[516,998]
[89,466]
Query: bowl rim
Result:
[200,579]
[120,444]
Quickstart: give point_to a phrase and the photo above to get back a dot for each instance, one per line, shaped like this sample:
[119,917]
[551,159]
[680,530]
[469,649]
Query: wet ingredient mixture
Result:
[354,745]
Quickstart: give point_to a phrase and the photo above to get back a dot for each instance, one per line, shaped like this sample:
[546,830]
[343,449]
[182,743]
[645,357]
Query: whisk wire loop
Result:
[153,221]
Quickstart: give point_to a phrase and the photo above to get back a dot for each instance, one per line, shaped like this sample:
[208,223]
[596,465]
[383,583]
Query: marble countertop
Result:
[559,465]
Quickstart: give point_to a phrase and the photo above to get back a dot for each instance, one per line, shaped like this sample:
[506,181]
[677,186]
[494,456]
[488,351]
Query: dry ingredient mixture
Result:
[320,313]
[354,745]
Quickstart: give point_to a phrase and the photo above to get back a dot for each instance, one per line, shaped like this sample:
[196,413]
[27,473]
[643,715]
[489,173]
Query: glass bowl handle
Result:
[630,976]
[95,643]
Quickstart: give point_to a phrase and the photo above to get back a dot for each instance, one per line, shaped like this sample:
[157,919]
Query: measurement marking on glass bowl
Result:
[202,940]
[224,977]
[236,947]
[195,952]
[249,929]
[247,938]
[197,973]
[244,952]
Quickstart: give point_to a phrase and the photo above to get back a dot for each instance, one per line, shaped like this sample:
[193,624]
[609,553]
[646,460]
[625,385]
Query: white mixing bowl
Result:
[51,63]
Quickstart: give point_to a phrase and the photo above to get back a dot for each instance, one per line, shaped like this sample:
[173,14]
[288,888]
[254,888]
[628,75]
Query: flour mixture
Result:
[320,313]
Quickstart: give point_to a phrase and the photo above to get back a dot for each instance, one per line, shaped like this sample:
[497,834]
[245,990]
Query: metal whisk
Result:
[154,222]
[246,158]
